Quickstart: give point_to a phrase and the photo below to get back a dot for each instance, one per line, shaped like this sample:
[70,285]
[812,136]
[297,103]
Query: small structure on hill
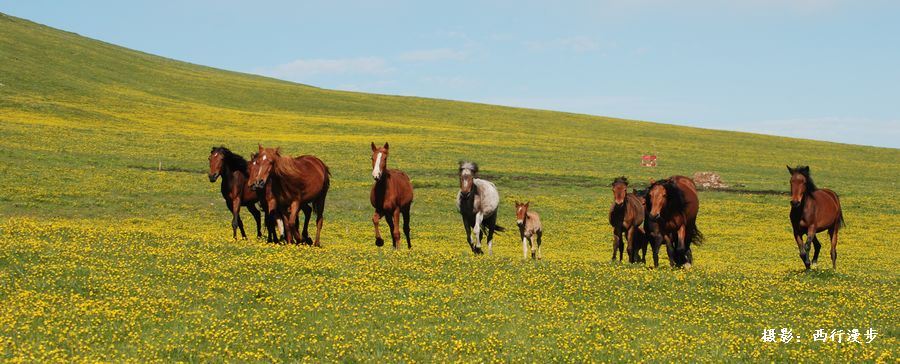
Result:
[648,160]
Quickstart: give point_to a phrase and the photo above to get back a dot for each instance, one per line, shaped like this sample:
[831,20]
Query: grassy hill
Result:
[105,257]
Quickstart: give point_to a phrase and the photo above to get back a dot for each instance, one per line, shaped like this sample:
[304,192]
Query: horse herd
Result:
[663,213]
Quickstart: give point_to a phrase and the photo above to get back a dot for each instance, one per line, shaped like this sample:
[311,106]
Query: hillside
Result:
[105,257]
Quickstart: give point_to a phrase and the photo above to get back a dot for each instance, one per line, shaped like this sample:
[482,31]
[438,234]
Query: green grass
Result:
[103,257]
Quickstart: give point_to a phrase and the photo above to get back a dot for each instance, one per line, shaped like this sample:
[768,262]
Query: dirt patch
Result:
[709,180]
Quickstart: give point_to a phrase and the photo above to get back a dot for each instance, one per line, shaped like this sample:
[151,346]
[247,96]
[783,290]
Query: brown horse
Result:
[813,210]
[392,194]
[297,183]
[626,214]
[673,205]
[233,170]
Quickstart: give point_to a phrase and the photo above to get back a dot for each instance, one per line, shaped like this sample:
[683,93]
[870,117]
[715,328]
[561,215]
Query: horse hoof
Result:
[379,242]
[687,265]
[813,266]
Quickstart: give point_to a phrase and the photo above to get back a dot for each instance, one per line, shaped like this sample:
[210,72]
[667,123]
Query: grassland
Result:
[105,258]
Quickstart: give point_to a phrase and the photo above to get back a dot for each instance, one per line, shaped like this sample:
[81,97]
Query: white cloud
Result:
[430,55]
[302,69]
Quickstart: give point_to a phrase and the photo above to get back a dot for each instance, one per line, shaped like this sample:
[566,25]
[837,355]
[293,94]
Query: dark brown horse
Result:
[392,194]
[626,216]
[673,205]
[813,210]
[296,183]
[233,170]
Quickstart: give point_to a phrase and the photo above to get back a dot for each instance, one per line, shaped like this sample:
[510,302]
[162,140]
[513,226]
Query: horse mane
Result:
[234,161]
[620,179]
[466,165]
[810,186]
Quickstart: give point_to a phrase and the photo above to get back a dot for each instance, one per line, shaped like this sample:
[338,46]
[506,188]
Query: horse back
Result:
[314,176]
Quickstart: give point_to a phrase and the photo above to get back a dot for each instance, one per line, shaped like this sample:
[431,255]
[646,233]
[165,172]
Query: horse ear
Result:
[386,146]
[260,147]
[527,203]
[790,169]
[278,151]
[373,146]
[804,169]
[652,181]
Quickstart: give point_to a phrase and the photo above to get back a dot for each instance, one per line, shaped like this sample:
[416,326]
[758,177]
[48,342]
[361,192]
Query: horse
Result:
[626,214]
[477,202]
[673,205]
[233,170]
[297,183]
[530,229]
[813,210]
[391,195]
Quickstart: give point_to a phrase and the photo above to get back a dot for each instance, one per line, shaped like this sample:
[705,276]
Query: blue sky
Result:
[816,69]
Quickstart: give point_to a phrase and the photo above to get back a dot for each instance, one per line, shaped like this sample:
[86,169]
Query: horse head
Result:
[261,166]
[216,160]
[801,184]
[467,171]
[379,161]
[521,212]
[620,189]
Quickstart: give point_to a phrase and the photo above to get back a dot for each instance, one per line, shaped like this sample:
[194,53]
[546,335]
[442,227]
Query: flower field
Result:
[115,247]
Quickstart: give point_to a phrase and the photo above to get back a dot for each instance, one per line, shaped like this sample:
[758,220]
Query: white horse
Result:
[477,202]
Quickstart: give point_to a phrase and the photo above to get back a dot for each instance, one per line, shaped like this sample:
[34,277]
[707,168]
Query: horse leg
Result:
[291,224]
[491,224]
[230,207]
[810,236]
[378,240]
[255,212]
[479,217]
[236,222]
[524,246]
[468,233]
[617,241]
[681,248]
[389,217]
[798,236]
[307,212]
[818,246]
[834,238]
[670,250]
[539,233]
[319,207]
[405,212]
[395,229]
[630,247]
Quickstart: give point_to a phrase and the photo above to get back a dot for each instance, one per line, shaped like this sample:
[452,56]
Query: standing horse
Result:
[673,205]
[477,202]
[297,183]
[392,194]
[813,210]
[530,229]
[625,215]
[233,170]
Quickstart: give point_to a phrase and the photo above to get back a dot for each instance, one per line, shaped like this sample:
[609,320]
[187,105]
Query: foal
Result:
[625,215]
[530,229]
[233,170]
